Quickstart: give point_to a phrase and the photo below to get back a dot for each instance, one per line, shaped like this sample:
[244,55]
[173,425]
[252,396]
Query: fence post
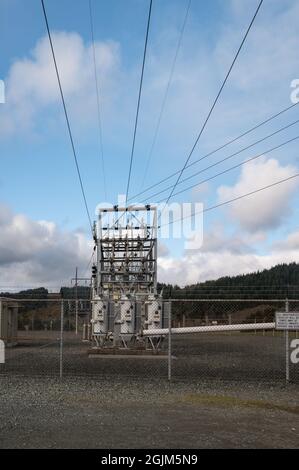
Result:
[61,340]
[76,315]
[169,342]
[84,334]
[287,346]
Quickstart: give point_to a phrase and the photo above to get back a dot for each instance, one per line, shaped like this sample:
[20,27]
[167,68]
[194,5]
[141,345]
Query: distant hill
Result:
[41,309]
[280,281]
[38,293]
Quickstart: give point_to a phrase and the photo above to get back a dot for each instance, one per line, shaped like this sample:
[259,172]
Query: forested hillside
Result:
[278,282]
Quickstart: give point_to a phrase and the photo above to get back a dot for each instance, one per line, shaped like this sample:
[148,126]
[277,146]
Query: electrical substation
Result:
[128,314]
[125,301]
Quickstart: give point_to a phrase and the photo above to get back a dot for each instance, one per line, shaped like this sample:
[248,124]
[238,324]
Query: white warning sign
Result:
[287,321]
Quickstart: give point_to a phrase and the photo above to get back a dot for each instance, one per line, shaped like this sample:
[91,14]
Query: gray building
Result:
[8,321]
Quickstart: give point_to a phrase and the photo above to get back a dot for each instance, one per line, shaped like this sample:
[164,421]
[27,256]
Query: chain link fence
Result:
[31,332]
[206,341]
[255,354]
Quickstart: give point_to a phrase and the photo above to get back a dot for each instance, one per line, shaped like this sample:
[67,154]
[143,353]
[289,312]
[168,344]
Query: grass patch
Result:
[226,401]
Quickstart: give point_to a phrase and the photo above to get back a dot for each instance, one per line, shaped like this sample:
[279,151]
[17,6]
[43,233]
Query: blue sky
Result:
[38,181]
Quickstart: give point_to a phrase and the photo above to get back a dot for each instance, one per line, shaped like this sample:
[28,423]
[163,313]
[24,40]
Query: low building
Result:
[8,321]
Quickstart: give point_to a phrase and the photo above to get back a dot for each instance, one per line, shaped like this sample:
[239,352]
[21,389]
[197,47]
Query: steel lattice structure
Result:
[126,251]
[125,299]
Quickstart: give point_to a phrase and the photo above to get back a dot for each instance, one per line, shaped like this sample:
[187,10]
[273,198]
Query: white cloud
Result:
[199,267]
[162,250]
[291,243]
[32,86]
[227,256]
[200,191]
[38,252]
[217,241]
[266,209]
[263,70]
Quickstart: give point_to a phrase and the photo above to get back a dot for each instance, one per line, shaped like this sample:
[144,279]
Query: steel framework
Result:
[126,251]
[124,294]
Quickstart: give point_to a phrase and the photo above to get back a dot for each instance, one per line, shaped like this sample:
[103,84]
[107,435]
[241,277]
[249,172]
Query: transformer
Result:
[127,316]
[153,313]
[100,316]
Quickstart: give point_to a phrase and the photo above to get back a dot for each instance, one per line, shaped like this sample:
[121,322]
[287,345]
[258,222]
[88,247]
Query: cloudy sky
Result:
[44,232]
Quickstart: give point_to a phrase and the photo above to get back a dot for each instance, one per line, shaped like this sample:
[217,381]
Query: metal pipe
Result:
[212,328]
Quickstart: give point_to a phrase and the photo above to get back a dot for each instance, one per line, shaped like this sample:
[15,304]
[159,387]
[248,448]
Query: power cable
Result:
[66,115]
[217,149]
[166,93]
[215,101]
[139,98]
[98,99]
[228,158]
[234,199]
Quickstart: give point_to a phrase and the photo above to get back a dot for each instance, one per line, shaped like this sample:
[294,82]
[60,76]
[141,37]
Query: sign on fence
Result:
[287,321]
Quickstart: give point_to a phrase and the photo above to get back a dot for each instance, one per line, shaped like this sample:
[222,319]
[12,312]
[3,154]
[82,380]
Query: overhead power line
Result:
[66,115]
[139,99]
[166,93]
[215,101]
[233,200]
[235,166]
[228,158]
[98,99]
[235,139]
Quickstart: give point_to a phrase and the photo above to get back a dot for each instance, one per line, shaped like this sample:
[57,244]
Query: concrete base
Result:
[125,356]
[123,352]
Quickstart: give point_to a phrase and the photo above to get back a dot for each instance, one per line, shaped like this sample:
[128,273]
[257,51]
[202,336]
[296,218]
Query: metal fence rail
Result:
[201,339]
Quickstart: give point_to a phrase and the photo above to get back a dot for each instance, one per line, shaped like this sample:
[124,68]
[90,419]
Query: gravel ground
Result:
[228,392]
[39,412]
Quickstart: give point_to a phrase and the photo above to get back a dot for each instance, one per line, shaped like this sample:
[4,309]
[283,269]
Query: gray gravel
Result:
[126,413]
[231,394]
